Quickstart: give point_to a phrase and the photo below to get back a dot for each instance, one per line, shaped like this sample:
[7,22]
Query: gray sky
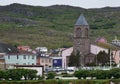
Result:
[79,3]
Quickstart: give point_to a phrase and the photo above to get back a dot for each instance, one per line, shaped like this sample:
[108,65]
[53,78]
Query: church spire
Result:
[81,20]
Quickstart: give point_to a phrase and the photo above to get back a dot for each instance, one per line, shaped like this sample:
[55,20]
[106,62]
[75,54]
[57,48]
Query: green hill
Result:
[53,26]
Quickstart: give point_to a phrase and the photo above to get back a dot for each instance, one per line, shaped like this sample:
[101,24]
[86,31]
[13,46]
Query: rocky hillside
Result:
[53,26]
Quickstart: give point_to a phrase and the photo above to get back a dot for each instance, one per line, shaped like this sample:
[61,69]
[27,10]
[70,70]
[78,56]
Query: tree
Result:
[103,58]
[74,60]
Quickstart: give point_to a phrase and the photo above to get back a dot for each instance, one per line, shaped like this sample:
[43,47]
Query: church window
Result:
[86,32]
[78,32]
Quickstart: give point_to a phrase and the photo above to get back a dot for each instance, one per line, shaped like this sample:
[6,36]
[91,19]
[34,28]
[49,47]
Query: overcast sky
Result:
[79,3]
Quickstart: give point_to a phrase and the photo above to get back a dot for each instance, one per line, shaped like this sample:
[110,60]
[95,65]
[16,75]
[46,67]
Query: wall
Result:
[65,53]
[96,49]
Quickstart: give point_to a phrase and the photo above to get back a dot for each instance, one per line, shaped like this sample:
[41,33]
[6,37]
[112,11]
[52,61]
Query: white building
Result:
[22,58]
[38,68]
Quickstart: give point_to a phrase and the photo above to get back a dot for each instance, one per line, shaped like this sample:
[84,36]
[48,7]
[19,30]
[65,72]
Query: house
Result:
[21,58]
[5,49]
[24,48]
[2,61]
[44,61]
[42,49]
[116,41]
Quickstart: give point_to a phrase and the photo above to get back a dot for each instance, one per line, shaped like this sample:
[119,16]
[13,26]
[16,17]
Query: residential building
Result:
[24,48]
[21,58]
[42,49]
[44,61]
[2,61]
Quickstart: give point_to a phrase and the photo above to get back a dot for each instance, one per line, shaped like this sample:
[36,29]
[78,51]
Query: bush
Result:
[51,75]
[115,73]
[81,73]
[15,74]
[1,74]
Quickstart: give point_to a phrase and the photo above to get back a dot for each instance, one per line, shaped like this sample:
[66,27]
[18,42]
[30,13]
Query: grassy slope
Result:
[55,24]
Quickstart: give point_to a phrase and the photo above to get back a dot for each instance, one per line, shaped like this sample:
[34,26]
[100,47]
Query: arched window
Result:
[86,32]
[78,32]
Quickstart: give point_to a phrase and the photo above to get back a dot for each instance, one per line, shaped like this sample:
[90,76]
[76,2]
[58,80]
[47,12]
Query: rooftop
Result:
[81,20]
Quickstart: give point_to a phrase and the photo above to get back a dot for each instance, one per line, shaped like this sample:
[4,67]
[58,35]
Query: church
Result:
[88,50]
[81,43]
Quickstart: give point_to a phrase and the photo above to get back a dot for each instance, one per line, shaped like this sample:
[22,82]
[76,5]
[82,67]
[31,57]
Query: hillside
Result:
[53,26]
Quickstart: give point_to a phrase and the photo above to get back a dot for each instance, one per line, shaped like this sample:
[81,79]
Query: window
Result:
[33,57]
[86,32]
[78,32]
[49,60]
[8,56]
[17,57]
[28,56]
[24,56]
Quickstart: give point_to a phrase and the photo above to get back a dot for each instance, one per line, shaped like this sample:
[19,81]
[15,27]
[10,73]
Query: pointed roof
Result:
[81,20]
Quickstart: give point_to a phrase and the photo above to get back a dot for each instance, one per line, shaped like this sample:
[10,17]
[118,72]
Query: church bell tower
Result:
[81,41]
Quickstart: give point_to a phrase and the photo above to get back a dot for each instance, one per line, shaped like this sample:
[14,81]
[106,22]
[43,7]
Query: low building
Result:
[38,68]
